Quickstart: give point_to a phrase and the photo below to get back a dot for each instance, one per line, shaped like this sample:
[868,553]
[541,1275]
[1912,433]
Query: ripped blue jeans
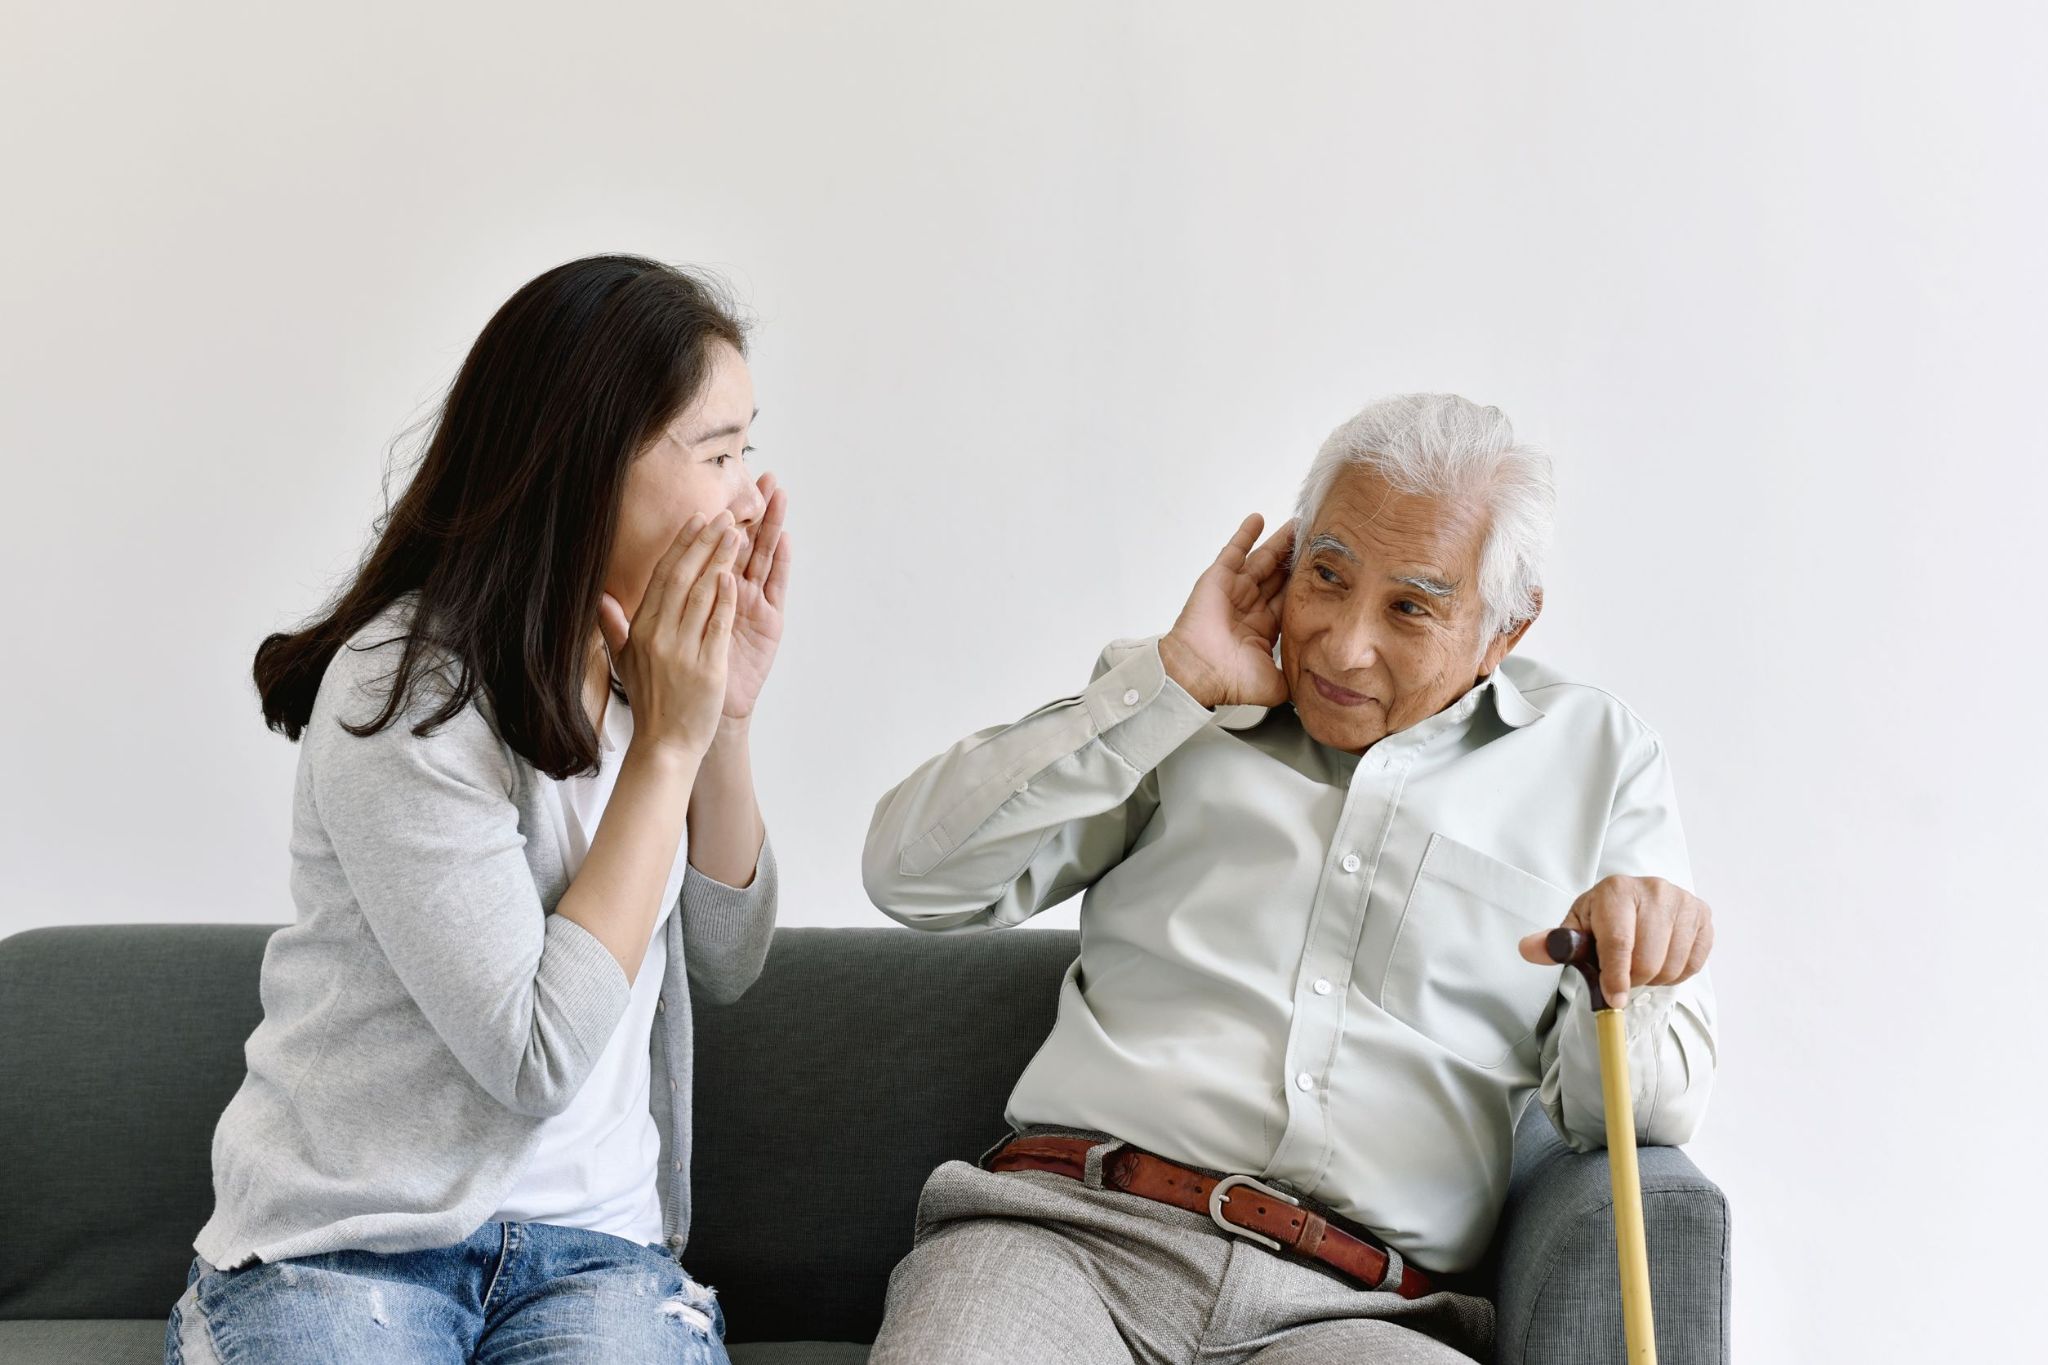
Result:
[524,1293]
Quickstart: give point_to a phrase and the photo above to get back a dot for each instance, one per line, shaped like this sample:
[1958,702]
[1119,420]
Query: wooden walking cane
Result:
[1570,946]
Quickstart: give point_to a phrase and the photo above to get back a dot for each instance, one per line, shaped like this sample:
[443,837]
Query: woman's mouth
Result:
[1335,695]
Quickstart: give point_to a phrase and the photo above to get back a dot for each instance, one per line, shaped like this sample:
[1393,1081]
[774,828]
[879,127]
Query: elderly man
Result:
[1321,826]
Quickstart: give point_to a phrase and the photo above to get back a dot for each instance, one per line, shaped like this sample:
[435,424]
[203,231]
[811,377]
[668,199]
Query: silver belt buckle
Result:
[1217,1200]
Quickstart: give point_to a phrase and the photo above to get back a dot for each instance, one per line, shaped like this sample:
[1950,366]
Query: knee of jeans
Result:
[697,1306]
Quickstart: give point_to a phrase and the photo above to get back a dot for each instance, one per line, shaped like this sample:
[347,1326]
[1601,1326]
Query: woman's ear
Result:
[611,619]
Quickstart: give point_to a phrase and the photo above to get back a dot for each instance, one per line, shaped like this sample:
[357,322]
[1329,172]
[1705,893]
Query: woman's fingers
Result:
[658,582]
[718,630]
[703,596]
[689,570]
[778,575]
[768,534]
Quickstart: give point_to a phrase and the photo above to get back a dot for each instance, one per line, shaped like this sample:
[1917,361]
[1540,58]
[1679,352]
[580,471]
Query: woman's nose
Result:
[748,506]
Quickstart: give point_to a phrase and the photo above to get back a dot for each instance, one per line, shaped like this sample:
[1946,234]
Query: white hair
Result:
[1443,446]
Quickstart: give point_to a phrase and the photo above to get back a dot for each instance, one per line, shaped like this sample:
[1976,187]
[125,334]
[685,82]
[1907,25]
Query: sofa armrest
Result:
[1558,1296]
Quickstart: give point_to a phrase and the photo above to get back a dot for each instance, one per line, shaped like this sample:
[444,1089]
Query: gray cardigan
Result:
[427,1009]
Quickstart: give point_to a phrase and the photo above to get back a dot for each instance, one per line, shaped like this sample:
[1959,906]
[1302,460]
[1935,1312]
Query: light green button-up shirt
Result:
[1301,963]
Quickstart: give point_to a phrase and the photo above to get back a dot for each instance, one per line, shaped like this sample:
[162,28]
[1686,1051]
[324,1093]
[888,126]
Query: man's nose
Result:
[1353,642]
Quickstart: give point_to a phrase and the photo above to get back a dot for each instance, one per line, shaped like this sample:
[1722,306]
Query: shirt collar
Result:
[1514,709]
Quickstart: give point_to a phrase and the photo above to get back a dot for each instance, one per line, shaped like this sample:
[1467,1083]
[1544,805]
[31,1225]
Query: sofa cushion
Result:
[128,1341]
[860,1060]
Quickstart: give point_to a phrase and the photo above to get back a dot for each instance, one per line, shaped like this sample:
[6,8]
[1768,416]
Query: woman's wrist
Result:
[667,760]
[725,777]
[724,818]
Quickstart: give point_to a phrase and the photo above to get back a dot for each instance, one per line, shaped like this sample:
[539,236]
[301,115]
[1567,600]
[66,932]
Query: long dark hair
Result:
[505,530]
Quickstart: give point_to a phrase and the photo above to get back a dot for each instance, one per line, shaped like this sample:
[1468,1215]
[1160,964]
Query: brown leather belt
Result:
[1238,1204]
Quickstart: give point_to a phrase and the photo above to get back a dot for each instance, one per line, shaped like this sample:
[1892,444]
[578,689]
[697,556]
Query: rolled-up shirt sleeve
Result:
[1017,818]
[1670,1029]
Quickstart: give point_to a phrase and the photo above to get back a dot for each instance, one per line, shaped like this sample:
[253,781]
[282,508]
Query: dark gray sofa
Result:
[859,1061]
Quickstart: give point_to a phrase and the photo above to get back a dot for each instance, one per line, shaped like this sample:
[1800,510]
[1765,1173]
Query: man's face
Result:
[1382,623]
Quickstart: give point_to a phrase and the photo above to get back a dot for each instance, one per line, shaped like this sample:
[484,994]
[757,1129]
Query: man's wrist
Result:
[1179,663]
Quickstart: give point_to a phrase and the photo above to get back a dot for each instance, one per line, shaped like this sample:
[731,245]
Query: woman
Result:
[524,825]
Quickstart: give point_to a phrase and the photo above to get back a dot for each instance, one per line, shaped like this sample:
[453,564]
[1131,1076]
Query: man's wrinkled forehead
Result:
[1365,522]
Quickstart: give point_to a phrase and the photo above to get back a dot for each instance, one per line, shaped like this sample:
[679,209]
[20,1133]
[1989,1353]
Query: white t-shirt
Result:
[595,1165]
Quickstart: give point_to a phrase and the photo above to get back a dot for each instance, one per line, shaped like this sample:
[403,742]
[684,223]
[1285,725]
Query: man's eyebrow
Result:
[1435,587]
[729,429]
[1421,582]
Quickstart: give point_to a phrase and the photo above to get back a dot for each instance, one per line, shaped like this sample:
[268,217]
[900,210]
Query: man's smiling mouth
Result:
[1335,695]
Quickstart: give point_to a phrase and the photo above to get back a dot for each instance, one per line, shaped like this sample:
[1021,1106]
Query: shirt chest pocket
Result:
[1455,973]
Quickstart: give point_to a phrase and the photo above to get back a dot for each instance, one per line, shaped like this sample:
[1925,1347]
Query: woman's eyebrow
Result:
[729,429]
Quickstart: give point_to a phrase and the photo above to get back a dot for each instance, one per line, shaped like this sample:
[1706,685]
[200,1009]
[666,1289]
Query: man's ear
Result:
[1505,642]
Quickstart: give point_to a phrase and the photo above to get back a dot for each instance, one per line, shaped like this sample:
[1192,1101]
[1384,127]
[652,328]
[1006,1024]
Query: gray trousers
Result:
[1033,1268]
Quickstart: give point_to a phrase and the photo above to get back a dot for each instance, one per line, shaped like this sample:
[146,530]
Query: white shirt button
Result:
[660,1004]
[1322,987]
[1350,863]
[1131,697]
[1304,1082]
[1023,787]
[676,1164]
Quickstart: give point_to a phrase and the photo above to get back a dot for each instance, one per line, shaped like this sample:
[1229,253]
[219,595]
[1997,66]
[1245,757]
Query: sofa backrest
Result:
[119,1047]
[860,1060]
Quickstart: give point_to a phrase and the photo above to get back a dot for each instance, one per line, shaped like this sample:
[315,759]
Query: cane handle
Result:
[1574,948]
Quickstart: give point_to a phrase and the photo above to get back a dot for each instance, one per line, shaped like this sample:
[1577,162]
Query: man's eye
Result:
[1323,572]
[1403,606]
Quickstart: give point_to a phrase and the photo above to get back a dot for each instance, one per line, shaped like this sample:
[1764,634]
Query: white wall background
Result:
[1048,296]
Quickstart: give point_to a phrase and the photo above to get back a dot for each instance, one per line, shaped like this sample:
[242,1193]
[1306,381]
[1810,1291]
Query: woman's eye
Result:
[720,461]
[1323,572]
